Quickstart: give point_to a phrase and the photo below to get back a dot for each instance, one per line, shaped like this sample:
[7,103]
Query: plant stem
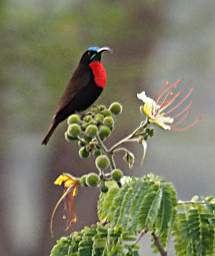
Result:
[158,245]
[142,233]
[109,155]
[132,136]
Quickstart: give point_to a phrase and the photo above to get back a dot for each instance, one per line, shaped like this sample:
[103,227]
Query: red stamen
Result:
[180,102]
[183,118]
[182,129]
[165,89]
[184,110]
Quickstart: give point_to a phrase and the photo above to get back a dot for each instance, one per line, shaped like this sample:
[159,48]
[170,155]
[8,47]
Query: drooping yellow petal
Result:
[66,180]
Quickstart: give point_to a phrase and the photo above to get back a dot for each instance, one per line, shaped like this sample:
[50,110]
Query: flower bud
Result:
[108,121]
[116,174]
[73,119]
[74,130]
[106,112]
[69,138]
[102,107]
[99,118]
[91,130]
[104,188]
[83,181]
[104,132]
[102,162]
[81,143]
[83,153]
[116,108]
[97,152]
[92,179]
[87,118]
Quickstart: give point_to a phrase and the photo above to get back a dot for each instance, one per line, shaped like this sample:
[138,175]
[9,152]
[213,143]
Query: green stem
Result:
[108,154]
[132,136]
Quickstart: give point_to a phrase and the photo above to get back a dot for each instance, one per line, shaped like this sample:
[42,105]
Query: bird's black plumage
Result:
[81,90]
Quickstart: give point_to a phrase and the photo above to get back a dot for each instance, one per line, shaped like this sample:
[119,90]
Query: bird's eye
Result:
[88,53]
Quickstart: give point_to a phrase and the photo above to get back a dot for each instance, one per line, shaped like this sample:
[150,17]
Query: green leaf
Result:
[97,240]
[144,203]
[194,229]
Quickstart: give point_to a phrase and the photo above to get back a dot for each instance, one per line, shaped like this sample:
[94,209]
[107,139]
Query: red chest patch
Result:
[99,73]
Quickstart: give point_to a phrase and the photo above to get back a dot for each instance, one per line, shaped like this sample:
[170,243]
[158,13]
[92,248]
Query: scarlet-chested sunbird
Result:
[84,87]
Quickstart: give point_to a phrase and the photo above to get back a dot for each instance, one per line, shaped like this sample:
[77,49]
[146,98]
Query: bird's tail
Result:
[51,129]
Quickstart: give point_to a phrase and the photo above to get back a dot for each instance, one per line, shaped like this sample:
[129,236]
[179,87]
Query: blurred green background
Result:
[40,44]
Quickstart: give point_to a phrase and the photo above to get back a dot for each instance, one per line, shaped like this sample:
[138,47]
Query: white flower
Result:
[155,112]
[171,108]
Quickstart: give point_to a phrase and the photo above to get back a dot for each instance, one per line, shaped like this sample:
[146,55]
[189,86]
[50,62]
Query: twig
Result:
[159,245]
[131,136]
[142,233]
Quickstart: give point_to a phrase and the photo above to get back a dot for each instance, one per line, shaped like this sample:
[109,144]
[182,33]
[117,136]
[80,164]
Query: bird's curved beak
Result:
[105,48]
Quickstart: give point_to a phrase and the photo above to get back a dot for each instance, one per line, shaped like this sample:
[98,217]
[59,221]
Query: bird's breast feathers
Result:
[99,73]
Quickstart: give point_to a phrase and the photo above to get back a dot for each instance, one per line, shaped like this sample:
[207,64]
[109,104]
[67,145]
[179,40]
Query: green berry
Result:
[108,121]
[91,130]
[97,152]
[69,138]
[106,112]
[73,119]
[81,143]
[83,153]
[116,174]
[92,179]
[74,130]
[104,188]
[102,107]
[102,162]
[87,118]
[104,131]
[99,118]
[116,108]
[87,138]
[83,180]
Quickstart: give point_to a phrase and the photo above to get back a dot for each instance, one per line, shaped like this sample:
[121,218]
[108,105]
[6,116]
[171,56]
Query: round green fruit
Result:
[116,174]
[91,130]
[106,112]
[104,188]
[83,153]
[81,143]
[104,132]
[74,130]
[74,119]
[83,180]
[87,118]
[69,138]
[102,162]
[116,108]
[97,152]
[92,179]
[102,107]
[99,118]
[108,121]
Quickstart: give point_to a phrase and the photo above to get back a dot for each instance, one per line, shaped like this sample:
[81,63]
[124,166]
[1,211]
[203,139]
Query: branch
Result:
[142,233]
[159,245]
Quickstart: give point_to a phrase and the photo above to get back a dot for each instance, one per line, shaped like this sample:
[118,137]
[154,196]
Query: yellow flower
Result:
[171,108]
[70,185]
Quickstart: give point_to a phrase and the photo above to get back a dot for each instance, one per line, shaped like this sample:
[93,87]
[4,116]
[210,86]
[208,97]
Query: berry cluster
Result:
[99,121]
[88,129]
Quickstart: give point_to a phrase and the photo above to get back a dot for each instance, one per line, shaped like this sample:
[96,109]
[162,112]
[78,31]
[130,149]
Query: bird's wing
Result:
[79,80]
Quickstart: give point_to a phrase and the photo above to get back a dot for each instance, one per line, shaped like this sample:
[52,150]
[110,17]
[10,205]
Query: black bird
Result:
[84,87]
